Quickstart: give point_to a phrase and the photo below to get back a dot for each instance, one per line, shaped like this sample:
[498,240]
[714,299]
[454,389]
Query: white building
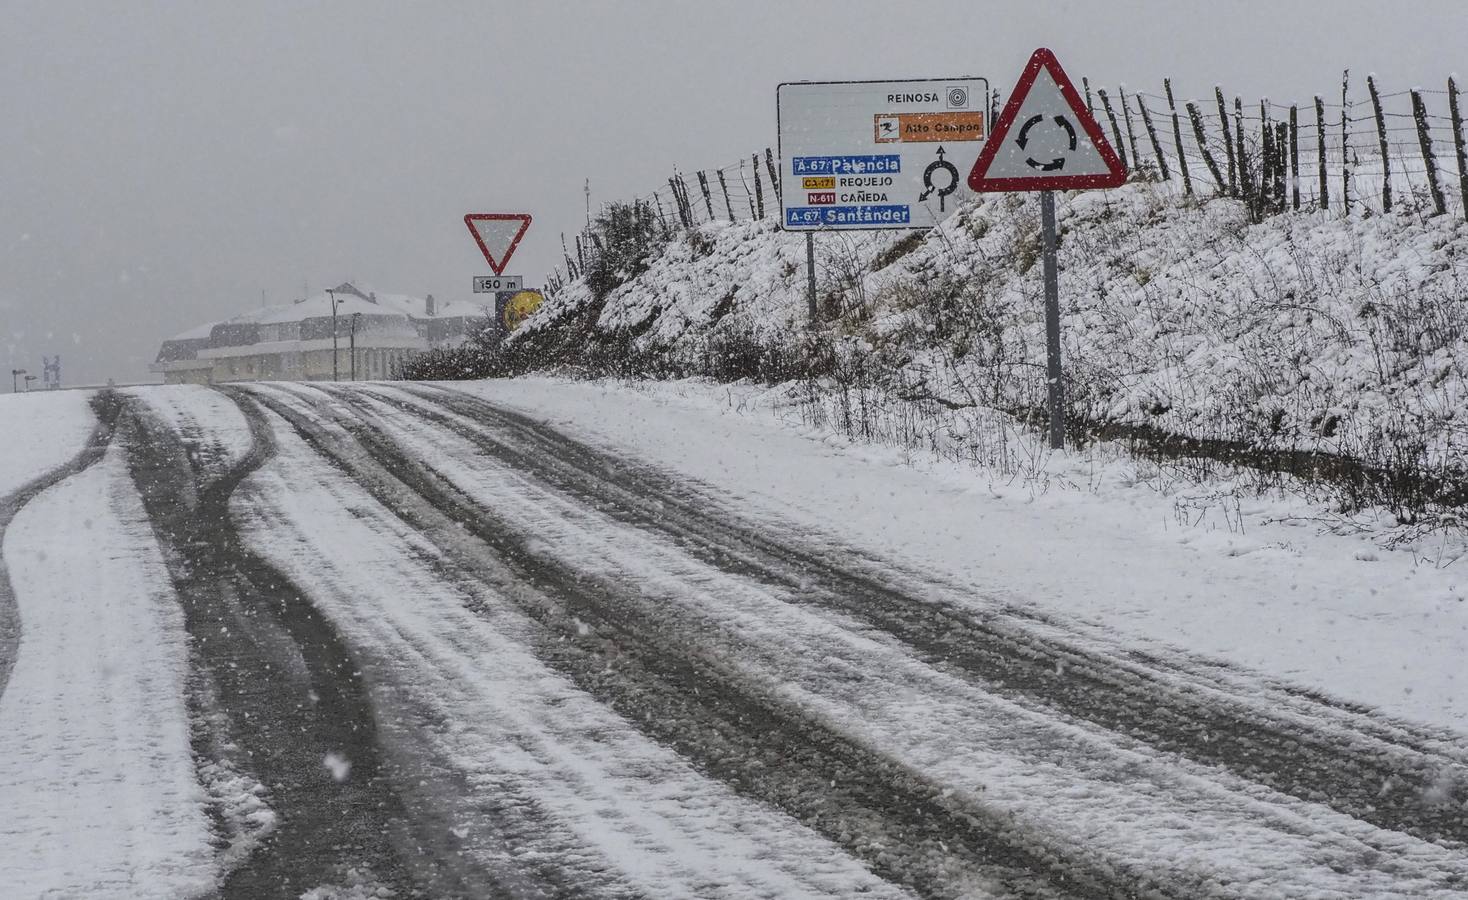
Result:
[293,341]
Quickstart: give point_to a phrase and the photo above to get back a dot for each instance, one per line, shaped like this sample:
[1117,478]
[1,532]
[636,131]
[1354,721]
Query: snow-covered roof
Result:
[198,333]
[319,306]
[350,298]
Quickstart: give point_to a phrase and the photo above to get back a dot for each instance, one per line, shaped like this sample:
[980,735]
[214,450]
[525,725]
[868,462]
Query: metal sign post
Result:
[1046,140]
[810,275]
[1053,374]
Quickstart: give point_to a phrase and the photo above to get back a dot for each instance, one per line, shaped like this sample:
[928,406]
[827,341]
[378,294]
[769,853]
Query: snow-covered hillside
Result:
[1309,331]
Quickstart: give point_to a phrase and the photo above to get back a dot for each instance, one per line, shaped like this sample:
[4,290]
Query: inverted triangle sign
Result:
[1046,139]
[497,234]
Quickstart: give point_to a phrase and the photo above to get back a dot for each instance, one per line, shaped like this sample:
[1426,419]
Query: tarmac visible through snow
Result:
[443,649]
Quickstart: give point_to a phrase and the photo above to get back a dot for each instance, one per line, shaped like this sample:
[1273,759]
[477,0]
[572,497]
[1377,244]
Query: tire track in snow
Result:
[289,688]
[1070,794]
[543,779]
[1386,777]
[614,644]
[1081,791]
[106,406]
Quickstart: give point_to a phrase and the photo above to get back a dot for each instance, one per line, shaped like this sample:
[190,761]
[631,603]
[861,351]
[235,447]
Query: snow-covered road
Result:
[438,647]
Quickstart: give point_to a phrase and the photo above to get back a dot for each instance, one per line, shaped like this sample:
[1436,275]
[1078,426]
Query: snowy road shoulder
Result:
[97,778]
[1284,601]
[42,431]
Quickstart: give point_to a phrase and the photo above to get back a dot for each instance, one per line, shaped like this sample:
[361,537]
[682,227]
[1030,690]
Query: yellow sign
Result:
[520,307]
[819,183]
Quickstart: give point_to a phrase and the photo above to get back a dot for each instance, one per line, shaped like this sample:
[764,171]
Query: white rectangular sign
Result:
[858,155]
[491,284]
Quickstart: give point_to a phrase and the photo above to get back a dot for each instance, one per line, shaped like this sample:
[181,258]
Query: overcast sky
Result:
[162,164]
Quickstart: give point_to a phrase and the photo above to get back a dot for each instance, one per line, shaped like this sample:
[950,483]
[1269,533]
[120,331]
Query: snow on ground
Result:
[623,810]
[1069,783]
[43,430]
[214,432]
[97,780]
[1282,598]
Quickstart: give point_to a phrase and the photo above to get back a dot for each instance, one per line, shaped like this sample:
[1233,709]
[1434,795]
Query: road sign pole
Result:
[810,275]
[1052,322]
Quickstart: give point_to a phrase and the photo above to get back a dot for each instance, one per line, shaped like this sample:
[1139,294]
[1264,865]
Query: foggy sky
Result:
[163,164]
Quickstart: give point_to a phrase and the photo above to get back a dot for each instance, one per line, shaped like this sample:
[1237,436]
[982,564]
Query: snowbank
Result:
[1309,331]
[97,777]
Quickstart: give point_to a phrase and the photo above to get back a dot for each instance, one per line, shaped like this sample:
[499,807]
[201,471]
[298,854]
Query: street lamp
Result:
[356,316]
[332,295]
[14,380]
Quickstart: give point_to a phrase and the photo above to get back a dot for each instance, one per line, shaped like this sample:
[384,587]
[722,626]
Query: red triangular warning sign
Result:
[1046,139]
[497,234]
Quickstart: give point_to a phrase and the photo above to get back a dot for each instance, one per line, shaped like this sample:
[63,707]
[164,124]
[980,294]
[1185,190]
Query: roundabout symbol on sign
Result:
[1024,137]
[929,187]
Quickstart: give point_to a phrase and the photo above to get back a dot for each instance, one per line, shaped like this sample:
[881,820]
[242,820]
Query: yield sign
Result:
[497,235]
[1046,139]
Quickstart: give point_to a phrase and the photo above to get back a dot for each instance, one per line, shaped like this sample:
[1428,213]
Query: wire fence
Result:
[1356,152]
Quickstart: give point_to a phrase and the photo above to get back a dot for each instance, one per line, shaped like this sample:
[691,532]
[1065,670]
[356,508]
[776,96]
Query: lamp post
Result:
[355,317]
[332,295]
[15,380]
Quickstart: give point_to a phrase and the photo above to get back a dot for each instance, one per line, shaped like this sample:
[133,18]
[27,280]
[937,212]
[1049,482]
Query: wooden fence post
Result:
[1424,139]
[659,203]
[1202,139]
[748,194]
[677,203]
[1177,138]
[688,201]
[775,182]
[680,197]
[1345,143]
[1115,131]
[1281,164]
[1152,133]
[759,190]
[1228,142]
[708,198]
[1386,160]
[1266,159]
[1246,181]
[1295,155]
[1458,142]
[1131,136]
[1320,151]
[724,186]
[1090,107]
